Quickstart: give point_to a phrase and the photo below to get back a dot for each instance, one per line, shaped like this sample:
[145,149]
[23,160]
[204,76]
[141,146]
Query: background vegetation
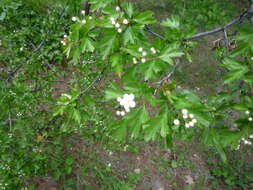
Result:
[56,127]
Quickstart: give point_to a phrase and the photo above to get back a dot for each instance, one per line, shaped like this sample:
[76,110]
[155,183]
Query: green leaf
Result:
[150,69]
[116,61]
[170,53]
[135,119]
[87,45]
[113,92]
[155,126]
[234,75]
[108,44]
[144,17]
[77,116]
[129,10]
[172,22]
[128,36]
[119,130]
[2,16]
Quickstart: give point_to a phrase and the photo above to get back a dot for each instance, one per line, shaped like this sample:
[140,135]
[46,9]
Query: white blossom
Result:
[194,121]
[117,25]
[191,124]
[117,8]
[247,112]
[83,21]
[74,19]
[90,17]
[153,50]
[143,60]
[250,119]
[118,113]
[176,122]
[125,21]
[187,125]
[251,136]
[184,111]
[113,22]
[127,101]
[191,115]
[65,36]
[185,116]
[135,60]
[119,30]
[140,49]
[144,53]
[83,12]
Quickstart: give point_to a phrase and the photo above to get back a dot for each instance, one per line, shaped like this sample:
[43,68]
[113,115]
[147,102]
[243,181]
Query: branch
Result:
[219,29]
[154,33]
[13,73]
[97,79]
[167,77]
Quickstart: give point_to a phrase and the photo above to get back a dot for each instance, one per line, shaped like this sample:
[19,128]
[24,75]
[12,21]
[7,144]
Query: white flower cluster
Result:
[143,54]
[116,22]
[247,113]
[64,40]
[127,101]
[189,118]
[83,21]
[245,141]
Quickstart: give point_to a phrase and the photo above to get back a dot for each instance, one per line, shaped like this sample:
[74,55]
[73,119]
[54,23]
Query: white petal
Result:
[117,8]
[127,109]
[185,116]
[191,115]
[117,25]
[132,104]
[143,60]
[176,122]
[131,96]
[191,124]
[125,21]
[184,111]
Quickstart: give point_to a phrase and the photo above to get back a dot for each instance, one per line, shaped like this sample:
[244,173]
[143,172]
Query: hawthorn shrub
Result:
[110,40]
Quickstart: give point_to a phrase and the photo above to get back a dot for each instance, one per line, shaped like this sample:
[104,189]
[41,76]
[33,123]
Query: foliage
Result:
[109,42]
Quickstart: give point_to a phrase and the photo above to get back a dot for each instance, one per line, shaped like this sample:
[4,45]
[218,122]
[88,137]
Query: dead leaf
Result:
[189,180]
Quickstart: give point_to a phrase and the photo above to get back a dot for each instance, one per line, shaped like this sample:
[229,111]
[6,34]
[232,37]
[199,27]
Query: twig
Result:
[167,77]
[226,38]
[15,71]
[97,79]
[219,29]
[154,33]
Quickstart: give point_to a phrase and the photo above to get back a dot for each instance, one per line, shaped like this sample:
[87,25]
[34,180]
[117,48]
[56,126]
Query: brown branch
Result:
[219,29]
[167,77]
